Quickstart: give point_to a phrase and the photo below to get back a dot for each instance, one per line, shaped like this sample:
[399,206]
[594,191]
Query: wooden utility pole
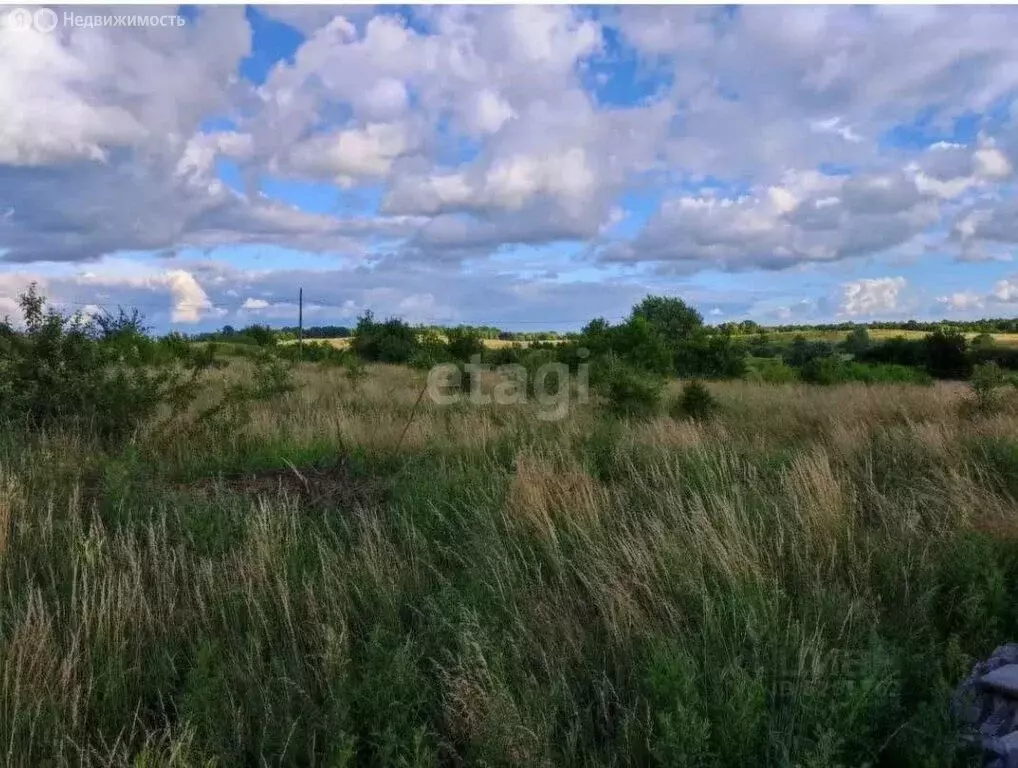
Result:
[300,325]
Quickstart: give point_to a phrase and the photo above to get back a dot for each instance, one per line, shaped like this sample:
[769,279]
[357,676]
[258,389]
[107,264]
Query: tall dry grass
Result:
[798,581]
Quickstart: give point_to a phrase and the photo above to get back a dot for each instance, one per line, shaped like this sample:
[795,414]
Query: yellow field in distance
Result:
[345,342]
[880,334]
[877,334]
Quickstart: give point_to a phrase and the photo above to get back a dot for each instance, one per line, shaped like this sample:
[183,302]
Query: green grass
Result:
[800,580]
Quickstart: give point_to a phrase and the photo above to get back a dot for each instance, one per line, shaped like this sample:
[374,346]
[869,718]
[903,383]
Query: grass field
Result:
[800,581]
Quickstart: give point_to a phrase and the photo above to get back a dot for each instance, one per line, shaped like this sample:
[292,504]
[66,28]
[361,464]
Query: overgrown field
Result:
[800,580]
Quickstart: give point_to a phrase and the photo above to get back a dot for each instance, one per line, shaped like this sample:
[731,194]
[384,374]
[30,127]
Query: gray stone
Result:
[1005,750]
[1003,679]
[986,706]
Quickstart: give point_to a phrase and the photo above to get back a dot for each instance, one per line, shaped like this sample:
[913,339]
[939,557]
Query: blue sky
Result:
[524,166]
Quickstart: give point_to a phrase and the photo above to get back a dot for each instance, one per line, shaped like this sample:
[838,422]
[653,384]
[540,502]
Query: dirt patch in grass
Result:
[326,487]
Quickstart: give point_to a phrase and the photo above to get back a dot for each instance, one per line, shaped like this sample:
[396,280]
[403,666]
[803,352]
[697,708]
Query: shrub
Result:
[431,350]
[642,346]
[319,352]
[986,381]
[271,378]
[464,343]
[761,345]
[1005,357]
[831,370]
[72,373]
[711,355]
[802,351]
[596,336]
[662,336]
[983,342]
[533,360]
[857,342]
[175,347]
[392,341]
[259,335]
[511,355]
[772,371]
[630,392]
[897,351]
[823,370]
[695,402]
[885,374]
[947,355]
[573,355]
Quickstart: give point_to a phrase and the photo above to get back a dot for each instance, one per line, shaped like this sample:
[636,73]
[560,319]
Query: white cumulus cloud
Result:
[872,296]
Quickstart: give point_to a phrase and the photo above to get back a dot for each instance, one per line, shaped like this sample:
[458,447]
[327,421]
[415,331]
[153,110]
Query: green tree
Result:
[392,341]
[675,320]
[986,380]
[640,343]
[858,341]
[947,354]
[803,351]
[464,342]
[983,341]
[596,336]
[715,355]
[695,350]
[261,335]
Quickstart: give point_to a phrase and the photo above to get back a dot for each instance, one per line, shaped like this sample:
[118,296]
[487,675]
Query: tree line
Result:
[665,336]
[109,370]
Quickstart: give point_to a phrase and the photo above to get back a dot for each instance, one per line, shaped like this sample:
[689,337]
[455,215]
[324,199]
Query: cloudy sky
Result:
[527,167]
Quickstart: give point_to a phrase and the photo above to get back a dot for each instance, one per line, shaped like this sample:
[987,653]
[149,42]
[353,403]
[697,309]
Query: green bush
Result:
[897,350]
[983,342]
[532,361]
[431,350]
[464,343]
[831,370]
[630,392]
[512,355]
[662,336]
[82,374]
[886,374]
[319,352]
[711,355]
[803,352]
[987,379]
[823,370]
[857,342]
[947,354]
[772,371]
[392,341]
[260,335]
[641,346]
[695,402]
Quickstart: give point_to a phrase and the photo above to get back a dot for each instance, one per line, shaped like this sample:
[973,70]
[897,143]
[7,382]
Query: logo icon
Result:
[18,19]
[45,19]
